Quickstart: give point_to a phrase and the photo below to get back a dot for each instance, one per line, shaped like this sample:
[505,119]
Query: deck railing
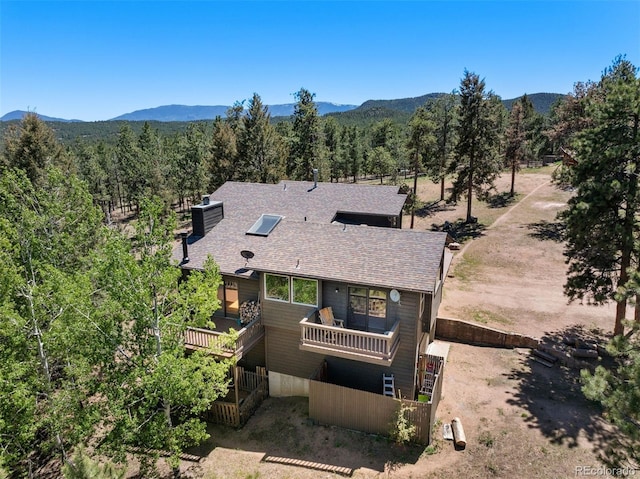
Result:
[237,413]
[369,347]
[224,344]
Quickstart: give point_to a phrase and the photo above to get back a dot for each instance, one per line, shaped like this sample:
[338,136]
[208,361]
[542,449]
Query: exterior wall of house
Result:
[383,221]
[255,357]
[248,290]
[435,305]
[283,355]
[337,300]
[368,377]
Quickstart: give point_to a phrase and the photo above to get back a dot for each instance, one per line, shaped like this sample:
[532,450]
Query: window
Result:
[276,287]
[367,309]
[377,303]
[264,225]
[304,291]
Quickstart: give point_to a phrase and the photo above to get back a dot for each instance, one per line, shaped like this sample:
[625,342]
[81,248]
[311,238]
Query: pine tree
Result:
[476,164]
[258,150]
[602,224]
[223,154]
[421,143]
[31,146]
[516,137]
[444,114]
[304,154]
[618,390]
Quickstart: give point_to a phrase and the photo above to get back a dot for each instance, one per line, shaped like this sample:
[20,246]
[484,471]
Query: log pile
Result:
[249,310]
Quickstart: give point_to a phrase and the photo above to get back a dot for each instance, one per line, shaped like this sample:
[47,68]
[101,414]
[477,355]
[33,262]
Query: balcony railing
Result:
[225,344]
[347,343]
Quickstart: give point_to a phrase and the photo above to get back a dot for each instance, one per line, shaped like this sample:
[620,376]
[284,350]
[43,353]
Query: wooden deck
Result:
[246,393]
[220,341]
[347,343]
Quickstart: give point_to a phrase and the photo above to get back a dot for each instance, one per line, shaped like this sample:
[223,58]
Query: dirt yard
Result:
[521,419]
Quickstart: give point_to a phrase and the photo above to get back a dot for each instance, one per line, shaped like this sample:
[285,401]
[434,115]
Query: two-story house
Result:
[294,249]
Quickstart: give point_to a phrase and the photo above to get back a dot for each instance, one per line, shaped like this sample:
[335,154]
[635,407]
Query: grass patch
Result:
[486,439]
[547,170]
[467,268]
[484,316]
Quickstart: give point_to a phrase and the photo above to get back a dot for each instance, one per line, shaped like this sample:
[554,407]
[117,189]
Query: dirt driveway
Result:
[521,419]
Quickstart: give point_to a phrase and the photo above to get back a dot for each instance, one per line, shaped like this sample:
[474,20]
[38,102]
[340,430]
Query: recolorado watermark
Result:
[602,471]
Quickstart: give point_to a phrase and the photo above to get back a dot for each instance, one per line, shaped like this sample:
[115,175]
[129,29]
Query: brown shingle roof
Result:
[383,257]
[305,243]
[299,199]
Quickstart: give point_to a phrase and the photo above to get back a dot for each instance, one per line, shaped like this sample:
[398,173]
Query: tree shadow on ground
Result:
[433,208]
[556,405]
[501,200]
[547,231]
[281,427]
[460,230]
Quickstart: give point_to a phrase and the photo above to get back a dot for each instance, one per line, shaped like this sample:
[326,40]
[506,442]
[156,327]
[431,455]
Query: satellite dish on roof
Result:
[394,294]
[246,254]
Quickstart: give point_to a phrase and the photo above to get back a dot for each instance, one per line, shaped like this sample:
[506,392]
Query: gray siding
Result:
[204,218]
[283,315]
[383,221]
[248,289]
[255,357]
[282,330]
[435,305]
[337,301]
[284,355]
[368,377]
[286,316]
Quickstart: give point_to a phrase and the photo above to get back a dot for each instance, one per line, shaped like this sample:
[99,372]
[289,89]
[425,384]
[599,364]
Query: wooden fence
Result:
[366,411]
[237,413]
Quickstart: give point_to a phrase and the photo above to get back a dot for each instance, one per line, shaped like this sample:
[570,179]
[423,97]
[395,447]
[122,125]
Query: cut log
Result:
[447,432]
[459,438]
[546,356]
[580,344]
[544,362]
[585,353]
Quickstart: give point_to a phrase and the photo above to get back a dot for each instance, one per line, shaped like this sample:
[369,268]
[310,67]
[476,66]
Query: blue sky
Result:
[94,60]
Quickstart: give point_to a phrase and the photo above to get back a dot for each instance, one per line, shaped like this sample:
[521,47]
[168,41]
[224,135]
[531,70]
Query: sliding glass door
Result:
[367,309]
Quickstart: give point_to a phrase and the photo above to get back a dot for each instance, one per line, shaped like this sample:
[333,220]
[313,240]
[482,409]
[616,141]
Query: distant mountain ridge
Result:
[373,109]
[542,102]
[19,114]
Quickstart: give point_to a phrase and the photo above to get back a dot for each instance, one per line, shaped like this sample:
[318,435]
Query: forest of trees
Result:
[133,160]
[92,316]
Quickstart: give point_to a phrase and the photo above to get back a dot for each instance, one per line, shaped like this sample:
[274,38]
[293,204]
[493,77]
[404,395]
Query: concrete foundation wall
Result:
[466,332]
[284,385]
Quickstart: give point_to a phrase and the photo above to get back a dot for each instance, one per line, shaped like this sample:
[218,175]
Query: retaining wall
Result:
[466,332]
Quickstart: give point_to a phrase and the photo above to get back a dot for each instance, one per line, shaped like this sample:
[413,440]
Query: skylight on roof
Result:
[264,225]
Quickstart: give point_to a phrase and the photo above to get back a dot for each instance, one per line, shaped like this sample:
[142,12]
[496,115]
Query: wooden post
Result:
[459,438]
[235,383]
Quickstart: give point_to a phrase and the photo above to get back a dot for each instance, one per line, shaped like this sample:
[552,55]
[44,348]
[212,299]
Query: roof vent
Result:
[205,200]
